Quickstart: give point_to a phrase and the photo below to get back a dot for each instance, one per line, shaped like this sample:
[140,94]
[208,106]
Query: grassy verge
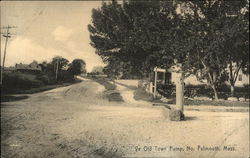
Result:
[127,86]
[141,94]
[4,90]
[19,94]
[105,83]
[31,82]
[111,94]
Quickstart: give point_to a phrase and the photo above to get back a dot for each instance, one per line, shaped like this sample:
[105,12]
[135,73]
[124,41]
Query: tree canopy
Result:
[77,67]
[62,62]
[128,33]
[97,70]
[221,38]
[204,36]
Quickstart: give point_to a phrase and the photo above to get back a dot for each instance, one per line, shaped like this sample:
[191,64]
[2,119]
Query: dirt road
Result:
[76,121]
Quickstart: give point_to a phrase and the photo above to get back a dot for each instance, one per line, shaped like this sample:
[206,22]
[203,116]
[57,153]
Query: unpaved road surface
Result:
[76,121]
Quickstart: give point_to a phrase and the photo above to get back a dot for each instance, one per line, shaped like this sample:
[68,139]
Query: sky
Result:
[48,29]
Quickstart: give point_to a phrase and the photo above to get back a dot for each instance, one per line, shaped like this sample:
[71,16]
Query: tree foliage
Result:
[49,69]
[97,70]
[77,67]
[129,33]
[204,36]
[221,39]
[62,63]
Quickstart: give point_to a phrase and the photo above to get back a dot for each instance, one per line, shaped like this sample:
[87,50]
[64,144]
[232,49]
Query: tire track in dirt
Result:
[228,135]
[32,132]
[77,122]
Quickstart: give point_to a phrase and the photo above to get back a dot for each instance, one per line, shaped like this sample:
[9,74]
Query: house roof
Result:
[32,66]
[9,68]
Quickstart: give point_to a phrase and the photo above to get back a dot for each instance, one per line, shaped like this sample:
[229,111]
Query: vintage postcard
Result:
[125,78]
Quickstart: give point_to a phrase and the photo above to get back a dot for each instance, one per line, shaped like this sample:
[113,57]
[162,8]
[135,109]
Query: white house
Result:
[242,79]
[171,77]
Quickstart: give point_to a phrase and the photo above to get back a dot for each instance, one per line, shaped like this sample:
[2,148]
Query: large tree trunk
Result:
[233,76]
[215,92]
[211,81]
[232,88]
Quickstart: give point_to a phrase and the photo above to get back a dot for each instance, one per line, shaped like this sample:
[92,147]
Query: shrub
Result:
[166,90]
[141,94]
[65,76]
[21,80]
[115,96]
[203,90]
[105,83]
[44,78]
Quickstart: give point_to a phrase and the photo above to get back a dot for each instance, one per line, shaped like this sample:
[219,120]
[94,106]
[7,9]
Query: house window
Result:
[240,78]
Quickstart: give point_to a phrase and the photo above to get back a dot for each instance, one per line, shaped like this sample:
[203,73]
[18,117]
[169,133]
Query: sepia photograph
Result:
[125,79]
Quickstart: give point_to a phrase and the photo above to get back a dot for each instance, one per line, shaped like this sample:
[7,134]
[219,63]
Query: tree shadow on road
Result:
[11,98]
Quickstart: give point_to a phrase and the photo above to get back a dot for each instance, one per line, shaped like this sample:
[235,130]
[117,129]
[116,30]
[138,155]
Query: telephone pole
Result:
[57,65]
[6,35]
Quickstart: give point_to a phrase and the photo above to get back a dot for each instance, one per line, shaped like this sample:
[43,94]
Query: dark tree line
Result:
[63,68]
[209,38]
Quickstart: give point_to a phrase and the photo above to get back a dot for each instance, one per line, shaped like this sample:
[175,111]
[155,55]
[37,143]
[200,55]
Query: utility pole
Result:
[6,35]
[57,65]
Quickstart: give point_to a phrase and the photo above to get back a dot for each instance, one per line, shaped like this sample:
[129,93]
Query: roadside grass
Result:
[141,94]
[10,98]
[28,83]
[36,89]
[192,91]
[43,88]
[127,86]
[110,93]
[105,83]
[20,94]
[17,85]
[115,96]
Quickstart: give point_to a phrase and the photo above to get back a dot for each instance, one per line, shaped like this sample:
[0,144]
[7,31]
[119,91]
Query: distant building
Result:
[9,69]
[32,67]
[171,77]
[242,79]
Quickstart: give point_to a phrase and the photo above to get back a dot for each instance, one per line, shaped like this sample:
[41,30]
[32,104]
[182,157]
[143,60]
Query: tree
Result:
[62,63]
[129,33]
[97,70]
[77,67]
[49,68]
[136,36]
[220,32]
[141,35]
[43,65]
[55,67]
[237,46]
